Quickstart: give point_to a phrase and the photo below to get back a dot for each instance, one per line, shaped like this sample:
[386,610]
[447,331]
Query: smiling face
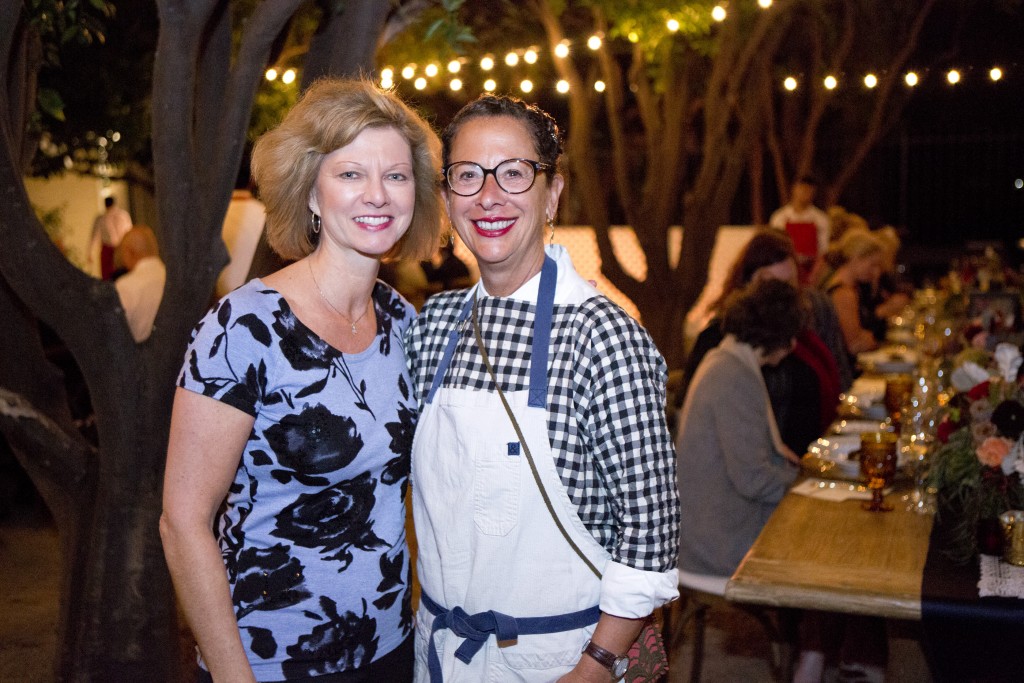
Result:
[504,231]
[365,193]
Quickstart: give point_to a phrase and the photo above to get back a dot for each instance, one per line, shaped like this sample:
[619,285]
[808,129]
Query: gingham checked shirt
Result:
[606,409]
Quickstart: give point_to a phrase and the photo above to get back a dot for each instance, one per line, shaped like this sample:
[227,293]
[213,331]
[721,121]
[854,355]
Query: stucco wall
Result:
[79,199]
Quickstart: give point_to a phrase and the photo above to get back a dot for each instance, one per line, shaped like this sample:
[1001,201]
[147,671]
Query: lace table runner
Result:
[1000,579]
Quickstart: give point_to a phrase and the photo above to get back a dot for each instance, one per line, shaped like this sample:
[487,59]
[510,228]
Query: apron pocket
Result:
[547,651]
[496,483]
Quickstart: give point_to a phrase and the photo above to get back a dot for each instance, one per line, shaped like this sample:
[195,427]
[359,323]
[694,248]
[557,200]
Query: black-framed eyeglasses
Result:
[515,176]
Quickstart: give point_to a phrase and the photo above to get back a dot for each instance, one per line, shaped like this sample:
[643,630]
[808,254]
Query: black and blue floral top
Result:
[313,527]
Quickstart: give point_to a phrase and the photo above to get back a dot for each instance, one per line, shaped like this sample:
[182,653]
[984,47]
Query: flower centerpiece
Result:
[978,467]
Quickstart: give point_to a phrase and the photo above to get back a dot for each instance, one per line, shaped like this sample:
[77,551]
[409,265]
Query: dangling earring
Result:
[551,224]
[314,221]
[448,237]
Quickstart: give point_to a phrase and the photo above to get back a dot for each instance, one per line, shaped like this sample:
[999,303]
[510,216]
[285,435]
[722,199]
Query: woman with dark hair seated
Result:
[733,466]
[804,388]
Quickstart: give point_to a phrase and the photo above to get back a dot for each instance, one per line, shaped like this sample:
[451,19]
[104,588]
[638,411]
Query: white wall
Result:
[80,199]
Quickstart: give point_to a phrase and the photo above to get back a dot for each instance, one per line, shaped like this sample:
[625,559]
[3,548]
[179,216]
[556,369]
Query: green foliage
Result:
[273,100]
[59,23]
[438,33]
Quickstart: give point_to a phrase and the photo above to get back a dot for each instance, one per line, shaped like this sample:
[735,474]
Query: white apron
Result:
[491,560]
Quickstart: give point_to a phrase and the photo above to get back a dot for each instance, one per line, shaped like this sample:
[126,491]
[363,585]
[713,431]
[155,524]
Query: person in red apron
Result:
[504,546]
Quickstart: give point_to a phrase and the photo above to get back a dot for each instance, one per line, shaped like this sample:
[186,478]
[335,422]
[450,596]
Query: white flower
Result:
[968,376]
[1014,460]
[1008,359]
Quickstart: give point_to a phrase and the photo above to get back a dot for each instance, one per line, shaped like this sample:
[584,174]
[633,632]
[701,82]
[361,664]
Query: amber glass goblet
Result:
[877,466]
[898,389]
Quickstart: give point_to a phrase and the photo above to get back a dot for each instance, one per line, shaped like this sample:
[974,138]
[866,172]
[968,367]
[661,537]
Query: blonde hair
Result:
[858,243]
[889,238]
[844,221]
[329,116]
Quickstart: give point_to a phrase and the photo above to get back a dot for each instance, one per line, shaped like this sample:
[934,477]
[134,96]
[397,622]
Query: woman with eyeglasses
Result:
[543,473]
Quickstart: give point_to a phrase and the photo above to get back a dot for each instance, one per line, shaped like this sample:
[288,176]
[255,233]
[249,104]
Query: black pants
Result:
[394,667]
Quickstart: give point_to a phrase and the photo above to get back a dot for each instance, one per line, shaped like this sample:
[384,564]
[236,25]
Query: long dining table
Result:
[834,556]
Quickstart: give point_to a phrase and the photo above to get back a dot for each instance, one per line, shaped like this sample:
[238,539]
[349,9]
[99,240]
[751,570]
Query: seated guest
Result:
[885,296]
[142,287]
[804,388]
[733,467]
[859,262]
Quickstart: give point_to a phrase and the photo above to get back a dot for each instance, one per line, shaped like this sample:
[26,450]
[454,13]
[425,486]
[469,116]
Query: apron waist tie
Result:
[477,628]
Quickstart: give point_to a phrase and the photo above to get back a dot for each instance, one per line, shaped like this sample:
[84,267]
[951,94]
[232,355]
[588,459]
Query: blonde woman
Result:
[287,468]
[860,262]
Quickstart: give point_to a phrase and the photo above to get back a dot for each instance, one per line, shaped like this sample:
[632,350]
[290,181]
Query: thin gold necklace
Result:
[327,301]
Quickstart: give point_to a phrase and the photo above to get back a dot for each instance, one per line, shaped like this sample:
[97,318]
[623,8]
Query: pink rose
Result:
[992,450]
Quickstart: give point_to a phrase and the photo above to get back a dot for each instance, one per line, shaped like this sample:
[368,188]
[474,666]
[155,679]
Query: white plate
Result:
[894,367]
[856,427]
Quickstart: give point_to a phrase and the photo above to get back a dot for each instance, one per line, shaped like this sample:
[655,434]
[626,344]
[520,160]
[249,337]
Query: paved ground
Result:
[736,648]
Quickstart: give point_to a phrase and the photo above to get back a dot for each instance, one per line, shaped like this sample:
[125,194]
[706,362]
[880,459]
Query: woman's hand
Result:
[576,676]
[790,455]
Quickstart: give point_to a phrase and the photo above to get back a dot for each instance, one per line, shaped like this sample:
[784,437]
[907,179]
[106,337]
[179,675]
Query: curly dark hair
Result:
[547,138]
[765,315]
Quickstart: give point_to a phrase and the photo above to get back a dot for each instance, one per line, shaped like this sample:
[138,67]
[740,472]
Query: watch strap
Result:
[605,658]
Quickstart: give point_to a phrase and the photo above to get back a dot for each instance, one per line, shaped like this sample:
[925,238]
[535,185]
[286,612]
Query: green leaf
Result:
[51,102]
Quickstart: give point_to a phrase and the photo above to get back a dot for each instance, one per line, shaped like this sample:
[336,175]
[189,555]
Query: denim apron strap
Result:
[477,628]
[538,349]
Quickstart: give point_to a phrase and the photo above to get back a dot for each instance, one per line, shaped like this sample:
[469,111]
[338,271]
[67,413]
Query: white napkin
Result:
[824,489]
[868,390]
[999,578]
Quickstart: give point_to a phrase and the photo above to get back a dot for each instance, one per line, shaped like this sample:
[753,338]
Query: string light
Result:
[672,25]
[288,76]
[718,13]
[271,74]
[764,4]
[531,55]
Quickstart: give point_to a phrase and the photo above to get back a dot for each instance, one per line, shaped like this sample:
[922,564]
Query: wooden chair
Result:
[698,593]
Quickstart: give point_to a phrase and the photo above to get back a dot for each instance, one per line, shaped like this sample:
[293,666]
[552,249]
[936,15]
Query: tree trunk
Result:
[118,617]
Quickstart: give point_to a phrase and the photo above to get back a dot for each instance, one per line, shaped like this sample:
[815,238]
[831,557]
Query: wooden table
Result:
[836,557]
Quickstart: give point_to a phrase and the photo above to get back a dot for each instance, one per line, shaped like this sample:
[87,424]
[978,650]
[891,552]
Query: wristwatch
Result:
[616,664]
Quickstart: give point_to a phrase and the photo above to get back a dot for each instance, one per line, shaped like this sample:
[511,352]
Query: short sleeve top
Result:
[312,530]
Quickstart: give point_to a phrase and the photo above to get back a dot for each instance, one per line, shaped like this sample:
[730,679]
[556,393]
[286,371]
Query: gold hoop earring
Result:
[315,222]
